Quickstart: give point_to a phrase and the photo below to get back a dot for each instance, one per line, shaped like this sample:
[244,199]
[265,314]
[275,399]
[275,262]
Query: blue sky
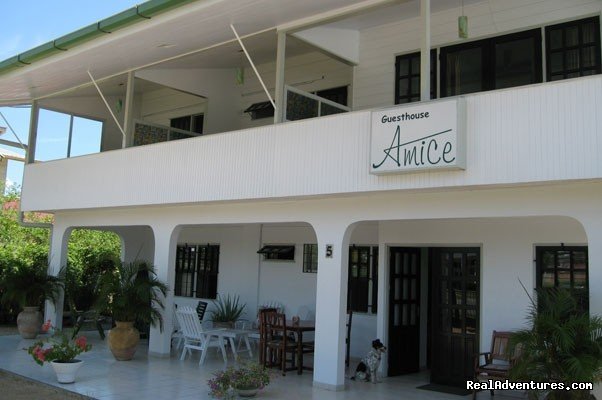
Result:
[28,23]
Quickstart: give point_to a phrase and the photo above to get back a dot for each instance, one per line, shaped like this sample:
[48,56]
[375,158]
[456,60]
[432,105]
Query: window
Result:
[362,289]
[310,258]
[278,252]
[190,123]
[407,73]
[496,63]
[196,271]
[573,49]
[63,135]
[564,267]
[260,110]
[338,94]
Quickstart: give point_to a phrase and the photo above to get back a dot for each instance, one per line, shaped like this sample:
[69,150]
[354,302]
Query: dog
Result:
[367,369]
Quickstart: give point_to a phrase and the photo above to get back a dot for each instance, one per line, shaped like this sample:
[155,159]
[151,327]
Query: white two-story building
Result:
[304,177]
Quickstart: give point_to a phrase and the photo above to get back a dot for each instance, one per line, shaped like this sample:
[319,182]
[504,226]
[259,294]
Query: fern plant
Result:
[30,285]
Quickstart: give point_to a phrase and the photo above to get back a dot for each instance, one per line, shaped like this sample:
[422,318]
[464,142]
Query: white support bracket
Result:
[254,69]
[107,104]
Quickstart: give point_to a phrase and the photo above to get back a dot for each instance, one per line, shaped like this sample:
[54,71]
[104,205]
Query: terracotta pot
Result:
[66,371]
[123,340]
[29,322]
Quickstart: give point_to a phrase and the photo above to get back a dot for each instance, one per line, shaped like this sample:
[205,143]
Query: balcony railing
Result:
[148,133]
[303,105]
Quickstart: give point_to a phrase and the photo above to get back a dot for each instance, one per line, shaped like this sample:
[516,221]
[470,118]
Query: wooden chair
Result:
[348,337]
[201,307]
[195,337]
[278,342]
[90,317]
[497,362]
[264,318]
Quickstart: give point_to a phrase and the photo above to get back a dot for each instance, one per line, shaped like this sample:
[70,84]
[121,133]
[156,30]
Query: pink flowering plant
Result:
[58,348]
[250,375]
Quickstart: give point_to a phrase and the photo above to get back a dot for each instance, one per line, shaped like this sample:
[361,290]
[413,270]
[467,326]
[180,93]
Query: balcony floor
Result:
[169,378]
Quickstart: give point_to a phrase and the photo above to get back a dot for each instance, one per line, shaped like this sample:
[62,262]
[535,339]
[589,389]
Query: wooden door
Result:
[404,310]
[454,314]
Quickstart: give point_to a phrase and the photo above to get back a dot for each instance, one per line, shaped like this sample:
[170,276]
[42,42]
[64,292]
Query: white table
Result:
[236,334]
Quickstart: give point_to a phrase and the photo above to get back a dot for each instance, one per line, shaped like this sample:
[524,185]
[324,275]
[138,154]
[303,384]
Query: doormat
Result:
[446,389]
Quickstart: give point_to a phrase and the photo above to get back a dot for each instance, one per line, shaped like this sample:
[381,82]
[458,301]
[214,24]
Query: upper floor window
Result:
[197,267]
[191,123]
[573,49]
[407,77]
[495,63]
[63,135]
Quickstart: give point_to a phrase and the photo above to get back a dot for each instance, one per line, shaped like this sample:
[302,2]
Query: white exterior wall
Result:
[160,106]
[374,77]
[539,133]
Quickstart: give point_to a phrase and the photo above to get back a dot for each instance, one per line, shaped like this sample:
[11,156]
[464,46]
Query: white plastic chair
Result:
[195,337]
[246,325]
[176,334]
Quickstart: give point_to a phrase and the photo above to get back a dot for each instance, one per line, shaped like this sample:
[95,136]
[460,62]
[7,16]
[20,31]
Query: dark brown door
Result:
[404,310]
[454,314]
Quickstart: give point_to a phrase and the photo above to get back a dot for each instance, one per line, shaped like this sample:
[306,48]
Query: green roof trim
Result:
[118,21]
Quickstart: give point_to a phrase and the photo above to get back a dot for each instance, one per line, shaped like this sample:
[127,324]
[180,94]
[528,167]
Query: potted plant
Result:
[562,344]
[244,380]
[227,310]
[130,293]
[60,353]
[29,286]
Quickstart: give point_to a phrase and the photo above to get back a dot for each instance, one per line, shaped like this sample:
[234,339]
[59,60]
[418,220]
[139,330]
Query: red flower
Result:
[47,325]
[81,342]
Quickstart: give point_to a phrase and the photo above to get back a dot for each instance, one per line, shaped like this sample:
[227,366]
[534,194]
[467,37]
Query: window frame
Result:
[581,293]
[278,252]
[203,279]
[363,300]
[310,258]
[411,74]
[597,68]
[192,120]
[488,59]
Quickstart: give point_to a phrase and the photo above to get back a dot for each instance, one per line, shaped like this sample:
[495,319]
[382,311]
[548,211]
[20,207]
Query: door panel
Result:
[454,314]
[404,310]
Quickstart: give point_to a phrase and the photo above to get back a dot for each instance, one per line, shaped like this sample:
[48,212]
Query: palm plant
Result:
[30,285]
[563,344]
[132,293]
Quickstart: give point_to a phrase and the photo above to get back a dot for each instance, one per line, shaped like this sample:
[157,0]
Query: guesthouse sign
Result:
[427,136]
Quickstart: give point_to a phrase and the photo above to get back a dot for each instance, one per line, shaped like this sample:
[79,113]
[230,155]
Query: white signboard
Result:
[427,136]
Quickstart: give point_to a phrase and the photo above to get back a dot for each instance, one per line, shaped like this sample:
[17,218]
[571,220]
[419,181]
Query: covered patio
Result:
[169,378]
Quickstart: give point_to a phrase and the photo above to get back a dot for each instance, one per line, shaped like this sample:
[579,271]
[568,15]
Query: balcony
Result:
[532,134]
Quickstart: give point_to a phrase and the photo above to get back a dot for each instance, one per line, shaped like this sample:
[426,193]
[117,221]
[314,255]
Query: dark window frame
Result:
[339,94]
[277,252]
[488,59]
[597,68]
[310,258]
[197,270]
[582,295]
[362,292]
[414,74]
[193,124]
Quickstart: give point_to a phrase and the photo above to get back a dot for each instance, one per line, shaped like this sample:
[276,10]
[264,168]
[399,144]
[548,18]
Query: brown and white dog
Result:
[367,369]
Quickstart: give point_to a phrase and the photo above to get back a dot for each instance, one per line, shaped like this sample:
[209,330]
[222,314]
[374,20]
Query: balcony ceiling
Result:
[192,27]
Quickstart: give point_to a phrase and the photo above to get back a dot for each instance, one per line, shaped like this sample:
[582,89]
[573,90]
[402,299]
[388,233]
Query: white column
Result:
[59,237]
[280,61]
[425,51]
[166,238]
[592,224]
[331,304]
[33,132]
[128,114]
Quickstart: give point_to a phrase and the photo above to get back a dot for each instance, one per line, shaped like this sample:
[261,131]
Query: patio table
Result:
[298,328]
[237,334]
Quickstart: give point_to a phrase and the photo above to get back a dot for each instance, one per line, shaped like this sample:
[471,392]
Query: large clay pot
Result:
[29,322]
[66,371]
[123,340]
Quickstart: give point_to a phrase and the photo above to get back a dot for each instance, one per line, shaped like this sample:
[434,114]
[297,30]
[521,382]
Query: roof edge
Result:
[103,27]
